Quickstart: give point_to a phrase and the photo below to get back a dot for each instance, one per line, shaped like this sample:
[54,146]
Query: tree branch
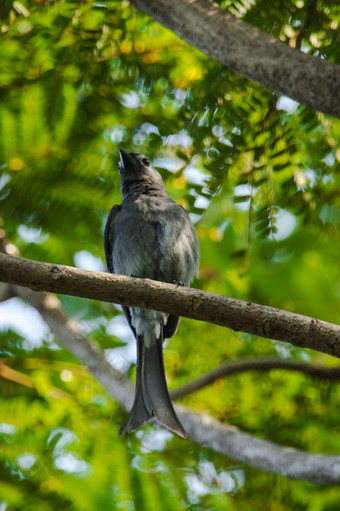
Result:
[261,320]
[201,429]
[262,364]
[68,333]
[250,51]
[11,374]
[204,430]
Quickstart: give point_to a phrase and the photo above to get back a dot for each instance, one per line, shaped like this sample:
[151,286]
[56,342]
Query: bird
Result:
[150,236]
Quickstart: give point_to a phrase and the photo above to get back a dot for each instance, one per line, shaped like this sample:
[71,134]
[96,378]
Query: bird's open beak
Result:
[125,161]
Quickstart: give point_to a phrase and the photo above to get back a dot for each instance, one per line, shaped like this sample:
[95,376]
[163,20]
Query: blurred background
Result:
[259,175]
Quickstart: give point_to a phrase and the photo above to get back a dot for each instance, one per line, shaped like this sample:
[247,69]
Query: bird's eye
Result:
[145,162]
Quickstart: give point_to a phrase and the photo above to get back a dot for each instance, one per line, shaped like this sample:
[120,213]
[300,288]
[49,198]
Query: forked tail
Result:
[152,398]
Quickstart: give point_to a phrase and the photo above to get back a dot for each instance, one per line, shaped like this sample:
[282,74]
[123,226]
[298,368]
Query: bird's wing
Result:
[109,237]
[126,311]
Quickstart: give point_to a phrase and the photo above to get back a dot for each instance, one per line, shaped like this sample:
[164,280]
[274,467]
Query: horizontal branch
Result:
[261,320]
[251,52]
[260,364]
[202,429]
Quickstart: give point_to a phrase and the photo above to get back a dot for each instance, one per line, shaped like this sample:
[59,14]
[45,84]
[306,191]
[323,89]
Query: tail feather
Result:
[152,398]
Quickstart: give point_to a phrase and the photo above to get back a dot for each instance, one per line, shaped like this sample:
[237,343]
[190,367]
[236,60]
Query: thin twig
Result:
[262,364]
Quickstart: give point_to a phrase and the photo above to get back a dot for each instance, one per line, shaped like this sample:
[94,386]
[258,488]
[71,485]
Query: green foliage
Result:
[78,80]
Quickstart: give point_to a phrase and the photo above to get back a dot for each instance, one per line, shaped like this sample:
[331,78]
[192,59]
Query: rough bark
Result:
[251,52]
[261,320]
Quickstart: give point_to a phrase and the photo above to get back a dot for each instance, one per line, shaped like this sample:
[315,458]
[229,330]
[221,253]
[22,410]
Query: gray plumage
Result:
[150,236]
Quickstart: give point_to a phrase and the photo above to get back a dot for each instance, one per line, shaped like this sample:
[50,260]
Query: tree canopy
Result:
[259,174]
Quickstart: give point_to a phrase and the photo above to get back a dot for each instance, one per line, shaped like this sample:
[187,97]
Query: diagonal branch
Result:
[68,333]
[262,364]
[11,374]
[261,320]
[204,430]
[201,428]
[250,51]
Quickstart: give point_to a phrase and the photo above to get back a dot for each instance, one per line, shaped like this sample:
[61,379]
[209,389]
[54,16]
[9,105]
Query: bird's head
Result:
[136,173]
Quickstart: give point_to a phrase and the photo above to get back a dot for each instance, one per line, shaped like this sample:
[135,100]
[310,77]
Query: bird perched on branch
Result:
[150,236]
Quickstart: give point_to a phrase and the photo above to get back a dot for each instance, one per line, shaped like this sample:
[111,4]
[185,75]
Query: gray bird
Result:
[150,236]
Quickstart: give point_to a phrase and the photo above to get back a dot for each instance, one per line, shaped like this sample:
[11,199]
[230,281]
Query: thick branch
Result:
[262,364]
[260,320]
[202,429]
[250,52]
[67,332]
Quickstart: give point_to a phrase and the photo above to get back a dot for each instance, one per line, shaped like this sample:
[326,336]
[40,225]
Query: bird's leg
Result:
[177,282]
